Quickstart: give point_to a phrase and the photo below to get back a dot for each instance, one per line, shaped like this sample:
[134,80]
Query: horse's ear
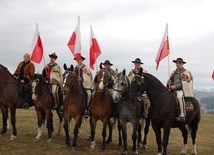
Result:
[124,72]
[72,68]
[65,66]
[43,73]
[101,65]
[141,71]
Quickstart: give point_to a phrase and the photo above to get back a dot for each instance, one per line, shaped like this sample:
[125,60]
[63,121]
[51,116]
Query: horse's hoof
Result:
[73,148]
[12,137]
[108,141]
[49,141]
[135,153]
[124,153]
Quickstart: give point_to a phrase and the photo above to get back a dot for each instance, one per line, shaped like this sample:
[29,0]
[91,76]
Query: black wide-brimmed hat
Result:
[81,58]
[137,60]
[179,60]
[53,55]
[107,62]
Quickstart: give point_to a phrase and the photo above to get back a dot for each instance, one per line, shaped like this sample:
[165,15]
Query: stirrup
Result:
[86,114]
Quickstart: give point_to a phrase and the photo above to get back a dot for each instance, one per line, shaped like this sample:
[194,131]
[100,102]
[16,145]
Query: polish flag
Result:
[164,48]
[37,48]
[74,43]
[213,75]
[94,50]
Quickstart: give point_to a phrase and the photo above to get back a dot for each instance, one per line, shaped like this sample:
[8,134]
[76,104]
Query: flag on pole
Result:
[37,48]
[164,47]
[213,75]
[74,43]
[94,50]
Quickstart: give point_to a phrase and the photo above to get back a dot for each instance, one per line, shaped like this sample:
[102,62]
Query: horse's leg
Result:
[40,122]
[119,136]
[93,122]
[146,131]
[184,132]
[4,111]
[49,116]
[66,128]
[166,132]
[124,135]
[76,130]
[157,131]
[60,121]
[194,127]
[105,123]
[110,127]
[13,122]
[140,130]
[134,137]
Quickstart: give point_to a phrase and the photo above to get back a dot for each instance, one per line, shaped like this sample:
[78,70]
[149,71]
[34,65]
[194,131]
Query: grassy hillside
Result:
[27,128]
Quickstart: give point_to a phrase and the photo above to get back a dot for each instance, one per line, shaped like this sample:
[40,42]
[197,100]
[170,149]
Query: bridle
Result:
[102,79]
[66,76]
[37,81]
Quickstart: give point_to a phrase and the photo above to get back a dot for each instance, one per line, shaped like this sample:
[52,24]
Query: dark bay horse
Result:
[74,103]
[129,110]
[164,110]
[43,101]
[11,97]
[101,107]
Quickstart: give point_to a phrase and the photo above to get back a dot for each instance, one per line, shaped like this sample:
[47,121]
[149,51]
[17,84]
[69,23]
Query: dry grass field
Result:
[27,129]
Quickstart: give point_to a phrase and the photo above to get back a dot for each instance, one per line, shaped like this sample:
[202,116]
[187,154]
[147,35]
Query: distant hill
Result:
[206,100]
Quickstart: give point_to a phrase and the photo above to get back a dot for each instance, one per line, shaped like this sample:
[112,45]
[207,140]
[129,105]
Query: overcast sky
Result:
[124,30]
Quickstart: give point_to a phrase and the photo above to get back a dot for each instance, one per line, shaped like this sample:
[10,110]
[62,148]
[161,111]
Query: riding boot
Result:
[87,112]
[26,98]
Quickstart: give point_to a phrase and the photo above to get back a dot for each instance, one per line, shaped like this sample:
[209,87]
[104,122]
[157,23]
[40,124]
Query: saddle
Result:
[188,104]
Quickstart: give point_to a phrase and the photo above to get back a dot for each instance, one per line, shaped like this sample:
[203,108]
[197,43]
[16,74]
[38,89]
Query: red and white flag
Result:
[74,43]
[94,50]
[164,48]
[213,75]
[37,48]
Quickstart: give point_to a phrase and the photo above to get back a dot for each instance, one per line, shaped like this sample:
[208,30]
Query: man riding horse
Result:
[181,81]
[53,73]
[137,63]
[23,72]
[86,79]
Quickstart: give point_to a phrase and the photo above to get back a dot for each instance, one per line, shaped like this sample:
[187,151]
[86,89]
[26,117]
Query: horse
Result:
[129,110]
[11,97]
[101,107]
[164,110]
[74,103]
[43,101]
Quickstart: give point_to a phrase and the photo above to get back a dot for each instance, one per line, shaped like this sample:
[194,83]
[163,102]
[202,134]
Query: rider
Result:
[137,66]
[86,79]
[23,72]
[107,65]
[181,81]
[54,77]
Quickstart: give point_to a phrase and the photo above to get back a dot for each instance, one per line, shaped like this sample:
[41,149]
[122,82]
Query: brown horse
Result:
[102,107]
[74,102]
[11,97]
[164,110]
[43,101]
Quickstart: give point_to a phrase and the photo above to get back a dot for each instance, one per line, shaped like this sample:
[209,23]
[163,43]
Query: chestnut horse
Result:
[43,101]
[11,97]
[74,103]
[101,107]
[164,110]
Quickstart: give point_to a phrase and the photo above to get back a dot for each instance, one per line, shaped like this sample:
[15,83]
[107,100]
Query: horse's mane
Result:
[6,70]
[41,79]
[153,80]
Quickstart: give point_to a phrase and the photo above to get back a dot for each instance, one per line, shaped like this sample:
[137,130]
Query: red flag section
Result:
[164,48]
[94,50]
[37,48]
[74,43]
[213,75]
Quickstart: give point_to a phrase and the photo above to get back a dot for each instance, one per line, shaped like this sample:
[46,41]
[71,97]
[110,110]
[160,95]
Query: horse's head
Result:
[70,79]
[102,78]
[138,83]
[37,82]
[121,86]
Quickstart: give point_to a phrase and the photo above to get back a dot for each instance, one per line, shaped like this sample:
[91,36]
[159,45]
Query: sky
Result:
[125,30]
